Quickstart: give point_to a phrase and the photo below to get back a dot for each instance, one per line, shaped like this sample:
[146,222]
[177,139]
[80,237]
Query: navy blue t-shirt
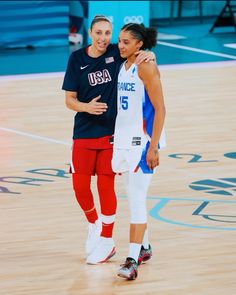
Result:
[90,77]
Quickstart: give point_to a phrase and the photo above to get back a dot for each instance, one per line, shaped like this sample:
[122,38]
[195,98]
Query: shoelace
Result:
[127,264]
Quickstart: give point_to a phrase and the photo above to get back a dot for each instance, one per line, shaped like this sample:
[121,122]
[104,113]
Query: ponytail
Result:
[139,32]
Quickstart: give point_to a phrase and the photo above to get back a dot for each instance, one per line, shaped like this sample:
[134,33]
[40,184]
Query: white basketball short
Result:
[126,159]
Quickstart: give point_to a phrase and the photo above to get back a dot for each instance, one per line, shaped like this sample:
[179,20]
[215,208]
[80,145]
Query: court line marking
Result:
[163,66]
[197,50]
[164,36]
[43,138]
[163,201]
[32,76]
[230,45]
[155,213]
[184,199]
[191,199]
[201,65]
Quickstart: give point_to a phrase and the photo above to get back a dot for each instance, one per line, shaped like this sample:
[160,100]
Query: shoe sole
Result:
[132,277]
[113,252]
[144,259]
[110,255]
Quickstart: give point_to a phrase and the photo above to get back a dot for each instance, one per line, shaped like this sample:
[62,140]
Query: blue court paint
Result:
[230,155]
[155,213]
[200,208]
[164,201]
[194,158]
[222,186]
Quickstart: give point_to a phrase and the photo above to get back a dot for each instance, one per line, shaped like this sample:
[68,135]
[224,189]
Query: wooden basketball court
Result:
[192,220]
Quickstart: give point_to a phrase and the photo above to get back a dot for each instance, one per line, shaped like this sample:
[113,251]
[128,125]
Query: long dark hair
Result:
[141,33]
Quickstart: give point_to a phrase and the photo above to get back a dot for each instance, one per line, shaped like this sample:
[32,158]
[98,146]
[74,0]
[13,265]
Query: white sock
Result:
[108,219]
[145,242]
[134,250]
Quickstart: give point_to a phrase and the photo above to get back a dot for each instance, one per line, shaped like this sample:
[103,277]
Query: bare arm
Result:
[150,76]
[93,107]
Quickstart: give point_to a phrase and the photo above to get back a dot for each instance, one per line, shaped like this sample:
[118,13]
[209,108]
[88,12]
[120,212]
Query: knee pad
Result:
[138,211]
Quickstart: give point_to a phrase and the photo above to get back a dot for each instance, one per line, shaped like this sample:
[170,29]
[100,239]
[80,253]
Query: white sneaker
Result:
[94,231]
[103,251]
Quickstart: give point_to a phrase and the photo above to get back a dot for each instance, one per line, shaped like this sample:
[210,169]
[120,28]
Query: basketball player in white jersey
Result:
[138,136]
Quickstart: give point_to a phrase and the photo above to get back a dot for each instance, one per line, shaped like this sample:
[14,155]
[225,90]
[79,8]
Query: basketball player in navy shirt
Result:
[90,83]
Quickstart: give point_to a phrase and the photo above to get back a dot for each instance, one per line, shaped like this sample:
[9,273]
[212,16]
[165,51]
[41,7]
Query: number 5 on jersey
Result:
[124,102]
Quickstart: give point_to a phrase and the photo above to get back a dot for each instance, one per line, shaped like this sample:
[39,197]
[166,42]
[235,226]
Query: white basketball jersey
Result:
[135,116]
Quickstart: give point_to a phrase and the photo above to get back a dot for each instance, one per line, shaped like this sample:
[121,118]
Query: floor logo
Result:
[221,186]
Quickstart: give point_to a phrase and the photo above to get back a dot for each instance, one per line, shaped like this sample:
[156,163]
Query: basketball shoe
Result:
[145,254]
[129,269]
[103,251]
[94,231]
